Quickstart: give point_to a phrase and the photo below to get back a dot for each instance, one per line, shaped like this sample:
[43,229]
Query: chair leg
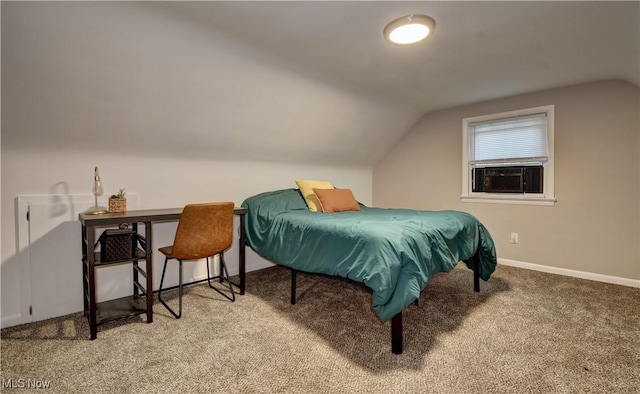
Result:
[223,271]
[209,275]
[164,269]
[224,268]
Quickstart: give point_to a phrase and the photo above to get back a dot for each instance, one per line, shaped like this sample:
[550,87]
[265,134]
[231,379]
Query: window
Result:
[501,149]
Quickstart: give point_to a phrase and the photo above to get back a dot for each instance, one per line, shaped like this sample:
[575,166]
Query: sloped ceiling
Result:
[480,50]
[299,82]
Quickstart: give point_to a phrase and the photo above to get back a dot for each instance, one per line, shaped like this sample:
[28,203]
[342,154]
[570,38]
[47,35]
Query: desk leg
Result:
[149,254]
[93,311]
[241,258]
[85,271]
[136,291]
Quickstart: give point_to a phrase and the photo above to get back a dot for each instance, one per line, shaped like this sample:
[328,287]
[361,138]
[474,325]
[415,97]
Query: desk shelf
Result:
[120,308]
[124,307]
[140,255]
[141,299]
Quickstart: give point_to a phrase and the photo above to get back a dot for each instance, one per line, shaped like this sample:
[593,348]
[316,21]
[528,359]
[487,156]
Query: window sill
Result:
[509,199]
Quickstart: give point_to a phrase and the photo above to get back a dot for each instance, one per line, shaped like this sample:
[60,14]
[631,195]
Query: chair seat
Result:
[166,250]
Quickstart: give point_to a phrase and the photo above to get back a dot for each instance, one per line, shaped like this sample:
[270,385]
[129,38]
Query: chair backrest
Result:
[203,230]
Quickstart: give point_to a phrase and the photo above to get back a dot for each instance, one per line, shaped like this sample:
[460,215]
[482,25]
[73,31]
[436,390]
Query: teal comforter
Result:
[394,252]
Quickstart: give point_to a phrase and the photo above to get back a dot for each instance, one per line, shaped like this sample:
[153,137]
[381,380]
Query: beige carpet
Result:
[525,332]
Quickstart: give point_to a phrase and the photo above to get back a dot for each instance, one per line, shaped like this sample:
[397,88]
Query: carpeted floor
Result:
[525,332]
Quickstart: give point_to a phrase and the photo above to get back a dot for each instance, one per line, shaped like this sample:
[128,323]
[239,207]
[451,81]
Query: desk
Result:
[137,303]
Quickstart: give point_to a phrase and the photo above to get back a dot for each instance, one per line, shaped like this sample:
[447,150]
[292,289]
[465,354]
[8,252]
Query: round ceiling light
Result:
[409,29]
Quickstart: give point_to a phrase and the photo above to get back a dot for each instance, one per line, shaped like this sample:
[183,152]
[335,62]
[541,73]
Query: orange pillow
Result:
[336,200]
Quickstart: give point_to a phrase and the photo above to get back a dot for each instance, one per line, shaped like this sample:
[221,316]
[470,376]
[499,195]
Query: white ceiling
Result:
[480,50]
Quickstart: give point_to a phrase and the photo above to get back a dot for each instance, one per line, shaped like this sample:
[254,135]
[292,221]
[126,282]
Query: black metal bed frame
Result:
[396,321]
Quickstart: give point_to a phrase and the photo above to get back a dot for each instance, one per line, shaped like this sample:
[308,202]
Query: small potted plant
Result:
[118,202]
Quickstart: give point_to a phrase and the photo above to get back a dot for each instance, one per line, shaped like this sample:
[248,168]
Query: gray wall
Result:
[594,227]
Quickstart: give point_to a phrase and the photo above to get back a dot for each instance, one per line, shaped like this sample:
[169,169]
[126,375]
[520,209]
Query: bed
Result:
[394,252]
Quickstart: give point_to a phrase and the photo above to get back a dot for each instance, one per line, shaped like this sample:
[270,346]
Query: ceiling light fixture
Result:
[409,29]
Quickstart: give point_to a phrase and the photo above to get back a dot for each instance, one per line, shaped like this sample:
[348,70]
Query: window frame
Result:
[547,197]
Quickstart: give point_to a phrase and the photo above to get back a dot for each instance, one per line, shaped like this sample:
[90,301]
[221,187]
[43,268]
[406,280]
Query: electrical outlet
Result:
[514,238]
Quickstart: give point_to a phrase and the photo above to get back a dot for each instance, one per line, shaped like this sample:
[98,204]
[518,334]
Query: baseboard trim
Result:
[573,273]
[13,320]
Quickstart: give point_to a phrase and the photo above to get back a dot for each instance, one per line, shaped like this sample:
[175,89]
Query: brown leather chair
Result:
[204,230]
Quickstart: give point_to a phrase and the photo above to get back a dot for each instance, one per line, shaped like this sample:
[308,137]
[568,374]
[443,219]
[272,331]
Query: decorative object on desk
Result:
[117,244]
[118,202]
[97,191]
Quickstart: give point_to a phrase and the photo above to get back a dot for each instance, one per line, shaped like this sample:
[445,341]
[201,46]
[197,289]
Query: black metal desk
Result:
[136,304]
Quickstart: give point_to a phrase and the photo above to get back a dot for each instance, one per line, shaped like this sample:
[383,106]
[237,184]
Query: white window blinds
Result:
[510,140]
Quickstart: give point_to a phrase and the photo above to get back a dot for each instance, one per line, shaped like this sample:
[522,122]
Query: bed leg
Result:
[396,334]
[293,286]
[476,271]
